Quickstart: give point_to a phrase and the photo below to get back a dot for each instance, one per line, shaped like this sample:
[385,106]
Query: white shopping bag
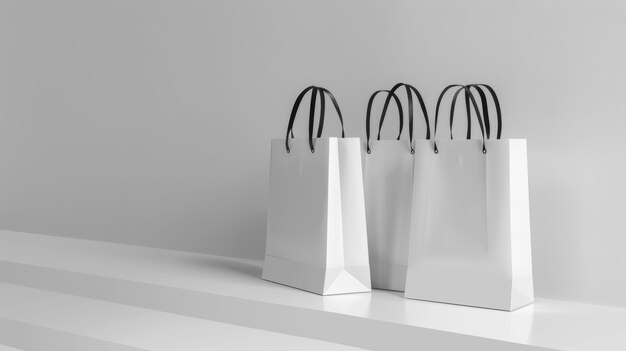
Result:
[316,229]
[388,180]
[470,229]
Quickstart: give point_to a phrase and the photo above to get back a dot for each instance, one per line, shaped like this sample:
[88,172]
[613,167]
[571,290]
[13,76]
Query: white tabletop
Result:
[214,285]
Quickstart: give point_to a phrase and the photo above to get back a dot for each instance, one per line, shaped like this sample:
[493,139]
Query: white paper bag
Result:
[470,229]
[388,180]
[316,229]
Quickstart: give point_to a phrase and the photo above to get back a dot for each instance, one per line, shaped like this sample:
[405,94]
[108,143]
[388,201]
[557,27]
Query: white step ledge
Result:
[230,290]
[34,319]
[8,348]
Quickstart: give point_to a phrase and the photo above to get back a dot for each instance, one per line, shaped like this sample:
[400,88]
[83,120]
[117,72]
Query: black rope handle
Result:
[383,115]
[410,89]
[314,91]
[485,108]
[478,116]
[312,118]
[368,115]
[294,111]
[471,98]
[469,121]
[337,109]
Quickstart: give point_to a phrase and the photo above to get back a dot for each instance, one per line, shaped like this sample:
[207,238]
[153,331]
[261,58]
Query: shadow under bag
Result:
[470,229]
[388,180]
[316,230]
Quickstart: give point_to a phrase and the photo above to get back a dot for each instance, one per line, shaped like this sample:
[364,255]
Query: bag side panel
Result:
[354,227]
[523,289]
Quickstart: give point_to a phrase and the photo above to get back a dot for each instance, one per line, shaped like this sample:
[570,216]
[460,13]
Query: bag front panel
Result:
[298,200]
[388,180]
[456,223]
[473,257]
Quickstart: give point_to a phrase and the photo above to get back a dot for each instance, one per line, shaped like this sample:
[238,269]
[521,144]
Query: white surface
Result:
[148,122]
[316,230]
[39,320]
[470,230]
[230,290]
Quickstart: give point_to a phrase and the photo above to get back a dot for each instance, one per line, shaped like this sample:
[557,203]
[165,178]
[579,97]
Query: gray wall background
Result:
[148,122]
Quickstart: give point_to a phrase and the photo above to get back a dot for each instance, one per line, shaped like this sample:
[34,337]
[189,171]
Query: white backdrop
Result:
[149,122]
